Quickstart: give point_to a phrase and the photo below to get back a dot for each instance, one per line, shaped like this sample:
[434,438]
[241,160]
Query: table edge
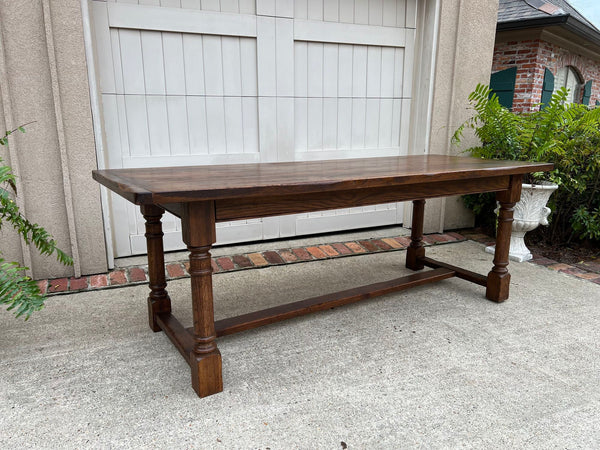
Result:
[139,195]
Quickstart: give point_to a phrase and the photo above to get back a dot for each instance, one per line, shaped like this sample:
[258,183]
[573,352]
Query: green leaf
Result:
[18,291]
[565,134]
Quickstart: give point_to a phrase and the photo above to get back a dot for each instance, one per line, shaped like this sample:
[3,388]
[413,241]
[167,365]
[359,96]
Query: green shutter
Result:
[547,87]
[587,93]
[597,102]
[503,85]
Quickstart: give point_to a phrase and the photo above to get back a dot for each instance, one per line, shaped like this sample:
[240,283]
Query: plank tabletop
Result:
[192,183]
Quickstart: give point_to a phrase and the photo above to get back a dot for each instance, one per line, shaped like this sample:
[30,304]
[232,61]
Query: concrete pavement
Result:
[433,367]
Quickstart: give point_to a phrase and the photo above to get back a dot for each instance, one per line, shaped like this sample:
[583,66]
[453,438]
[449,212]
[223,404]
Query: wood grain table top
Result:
[193,183]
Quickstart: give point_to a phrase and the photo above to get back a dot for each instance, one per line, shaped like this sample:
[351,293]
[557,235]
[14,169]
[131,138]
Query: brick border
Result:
[136,275]
[585,270]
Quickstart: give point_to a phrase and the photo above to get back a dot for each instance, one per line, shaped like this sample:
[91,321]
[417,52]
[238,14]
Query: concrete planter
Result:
[530,212]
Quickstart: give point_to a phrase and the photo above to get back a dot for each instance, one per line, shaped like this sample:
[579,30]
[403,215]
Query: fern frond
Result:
[20,293]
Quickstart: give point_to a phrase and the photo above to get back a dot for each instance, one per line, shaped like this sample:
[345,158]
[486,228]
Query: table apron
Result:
[275,205]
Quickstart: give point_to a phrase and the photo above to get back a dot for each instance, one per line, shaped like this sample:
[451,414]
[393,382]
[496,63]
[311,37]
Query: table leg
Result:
[498,280]
[198,222]
[416,250]
[158,300]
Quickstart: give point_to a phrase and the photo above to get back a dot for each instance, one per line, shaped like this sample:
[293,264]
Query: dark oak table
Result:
[204,195]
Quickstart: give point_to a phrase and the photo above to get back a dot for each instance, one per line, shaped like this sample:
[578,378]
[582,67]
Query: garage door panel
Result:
[158,116]
[183,84]
[193,53]
[130,52]
[330,69]
[213,81]
[315,124]
[361,12]
[173,63]
[359,115]
[409,55]
[330,120]
[411,14]
[344,123]
[137,125]
[300,125]
[314,62]
[266,51]
[198,132]
[248,62]
[231,62]
[404,124]
[374,72]
[372,123]
[115,129]
[345,59]
[284,56]
[285,128]
[153,60]
[184,121]
[250,124]
[389,13]
[399,57]
[234,125]
[339,70]
[177,115]
[386,122]
[359,71]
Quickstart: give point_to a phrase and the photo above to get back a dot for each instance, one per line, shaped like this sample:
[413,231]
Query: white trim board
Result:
[139,17]
[345,33]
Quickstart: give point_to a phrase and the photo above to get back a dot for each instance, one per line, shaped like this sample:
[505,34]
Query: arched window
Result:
[568,77]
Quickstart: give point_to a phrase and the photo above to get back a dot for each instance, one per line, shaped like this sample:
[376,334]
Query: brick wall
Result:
[531,58]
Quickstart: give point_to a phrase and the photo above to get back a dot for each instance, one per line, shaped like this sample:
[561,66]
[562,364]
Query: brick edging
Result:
[139,274]
[587,270]
[135,275]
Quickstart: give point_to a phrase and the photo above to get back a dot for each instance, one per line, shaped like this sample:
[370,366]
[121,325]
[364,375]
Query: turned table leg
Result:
[158,300]
[416,250]
[198,222]
[498,280]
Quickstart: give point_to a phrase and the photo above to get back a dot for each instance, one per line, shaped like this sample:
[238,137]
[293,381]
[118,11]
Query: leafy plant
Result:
[565,134]
[17,290]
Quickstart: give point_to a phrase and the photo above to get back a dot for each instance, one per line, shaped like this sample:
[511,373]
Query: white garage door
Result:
[186,82]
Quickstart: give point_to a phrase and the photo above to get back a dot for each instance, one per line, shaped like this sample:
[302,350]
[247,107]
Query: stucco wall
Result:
[44,80]
[464,58]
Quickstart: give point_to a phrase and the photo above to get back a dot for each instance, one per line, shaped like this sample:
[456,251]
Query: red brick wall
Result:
[531,58]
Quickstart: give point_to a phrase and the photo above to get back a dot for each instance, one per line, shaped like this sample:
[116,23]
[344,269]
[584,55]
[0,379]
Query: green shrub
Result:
[18,291]
[565,134]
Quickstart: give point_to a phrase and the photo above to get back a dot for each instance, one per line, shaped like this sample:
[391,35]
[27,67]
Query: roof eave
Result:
[565,20]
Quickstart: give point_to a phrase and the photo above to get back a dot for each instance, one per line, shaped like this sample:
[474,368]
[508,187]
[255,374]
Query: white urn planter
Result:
[530,212]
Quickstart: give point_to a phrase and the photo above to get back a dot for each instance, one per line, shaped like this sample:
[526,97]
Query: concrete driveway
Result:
[433,367]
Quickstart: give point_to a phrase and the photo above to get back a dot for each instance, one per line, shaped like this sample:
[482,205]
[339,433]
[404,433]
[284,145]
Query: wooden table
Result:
[204,195]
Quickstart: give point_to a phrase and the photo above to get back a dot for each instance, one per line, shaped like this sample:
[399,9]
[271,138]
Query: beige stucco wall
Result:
[465,49]
[44,79]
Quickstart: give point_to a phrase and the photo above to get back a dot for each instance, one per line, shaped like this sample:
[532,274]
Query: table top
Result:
[193,183]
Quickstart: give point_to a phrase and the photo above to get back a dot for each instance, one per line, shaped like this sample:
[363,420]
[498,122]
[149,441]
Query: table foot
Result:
[207,378]
[156,307]
[497,287]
